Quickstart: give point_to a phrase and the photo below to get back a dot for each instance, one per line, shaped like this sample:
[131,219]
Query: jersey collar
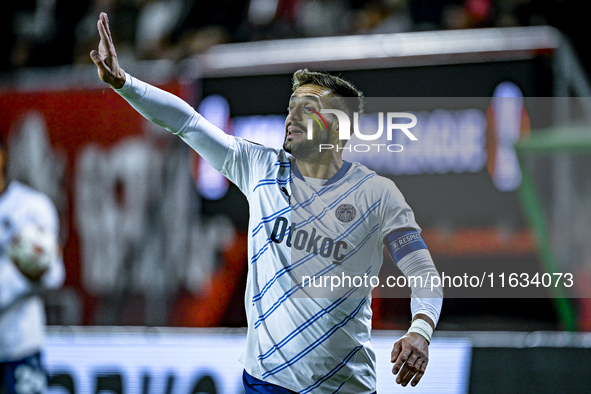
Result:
[336,177]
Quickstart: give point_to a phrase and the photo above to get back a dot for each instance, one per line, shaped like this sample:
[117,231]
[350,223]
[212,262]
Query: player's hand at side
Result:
[410,357]
[106,57]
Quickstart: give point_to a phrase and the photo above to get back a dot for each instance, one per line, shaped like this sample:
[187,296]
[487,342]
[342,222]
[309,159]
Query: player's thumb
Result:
[98,60]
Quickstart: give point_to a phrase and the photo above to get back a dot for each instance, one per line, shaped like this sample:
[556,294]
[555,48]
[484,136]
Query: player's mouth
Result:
[293,130]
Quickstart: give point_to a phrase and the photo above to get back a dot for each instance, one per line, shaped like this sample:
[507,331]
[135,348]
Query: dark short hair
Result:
[339,86]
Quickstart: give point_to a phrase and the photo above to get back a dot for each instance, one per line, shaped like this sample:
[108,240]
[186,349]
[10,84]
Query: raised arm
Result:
[158,106]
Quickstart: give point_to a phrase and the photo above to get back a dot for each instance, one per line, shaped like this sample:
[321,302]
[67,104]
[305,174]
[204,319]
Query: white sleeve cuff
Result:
[423,328]
[123,89]
[426,298]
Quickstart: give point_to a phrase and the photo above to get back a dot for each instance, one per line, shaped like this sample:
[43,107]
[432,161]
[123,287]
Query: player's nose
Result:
[295,114]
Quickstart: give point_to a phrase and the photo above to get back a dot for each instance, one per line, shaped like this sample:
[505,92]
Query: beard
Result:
[307,149]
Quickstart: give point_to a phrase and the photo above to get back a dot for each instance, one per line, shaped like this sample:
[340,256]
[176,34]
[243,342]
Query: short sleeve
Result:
[395,212]
[247,162]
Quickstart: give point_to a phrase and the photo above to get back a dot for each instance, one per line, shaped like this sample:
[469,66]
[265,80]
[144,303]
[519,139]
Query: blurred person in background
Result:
[30,262]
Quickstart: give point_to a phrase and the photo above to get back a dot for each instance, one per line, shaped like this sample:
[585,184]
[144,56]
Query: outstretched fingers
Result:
[105,19]
[106,56]
[105,45]
[101,57]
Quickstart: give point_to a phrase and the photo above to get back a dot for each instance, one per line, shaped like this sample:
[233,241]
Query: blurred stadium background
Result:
[155,240]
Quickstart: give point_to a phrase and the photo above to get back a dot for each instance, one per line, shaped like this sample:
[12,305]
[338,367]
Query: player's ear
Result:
[333,124]
[334,132]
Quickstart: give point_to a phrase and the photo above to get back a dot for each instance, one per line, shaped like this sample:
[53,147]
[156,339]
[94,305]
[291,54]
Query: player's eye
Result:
[309,109]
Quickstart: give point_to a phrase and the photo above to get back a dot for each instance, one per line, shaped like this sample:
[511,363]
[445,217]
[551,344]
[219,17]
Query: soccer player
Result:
[22,315]
[311,214]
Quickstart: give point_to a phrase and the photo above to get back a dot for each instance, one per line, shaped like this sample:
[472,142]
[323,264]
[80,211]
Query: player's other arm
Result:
[401,237]
[158,106]
[411,352]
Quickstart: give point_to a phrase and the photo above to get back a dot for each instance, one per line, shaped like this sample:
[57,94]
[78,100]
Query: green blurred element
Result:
[555,139]
[548,142]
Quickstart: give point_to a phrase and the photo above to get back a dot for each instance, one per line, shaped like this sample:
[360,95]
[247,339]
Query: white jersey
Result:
[22,326]
[311,344]
[305,344]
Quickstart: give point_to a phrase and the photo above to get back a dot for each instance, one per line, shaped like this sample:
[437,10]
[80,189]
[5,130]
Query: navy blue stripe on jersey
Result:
[316,343]
[311,199]
[404,241]
[335,203]
[285,164]
[325,189]
[296,264]
[273,216]
[292,291]
[349,191]
[265,247]
[261,251]
[256,256]
[354,251]
[253,385]
[338,390]
[339,174]
[285,270]
[307,324]
[266,219]
[314,318]
[297,173]
[330,267]
[333,371]
[276,305]
[276,181]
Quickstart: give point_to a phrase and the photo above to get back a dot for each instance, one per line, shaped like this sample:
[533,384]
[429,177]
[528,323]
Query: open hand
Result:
[106,57]
[410,357]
